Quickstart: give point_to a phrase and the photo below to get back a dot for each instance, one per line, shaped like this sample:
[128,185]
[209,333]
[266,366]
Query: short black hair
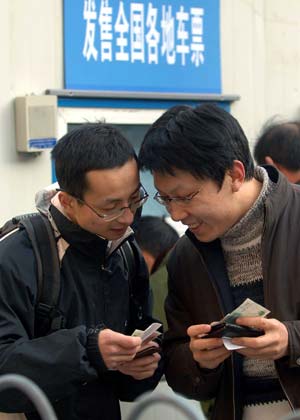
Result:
[203,140]
[90,147]
[155,236]
[280,141]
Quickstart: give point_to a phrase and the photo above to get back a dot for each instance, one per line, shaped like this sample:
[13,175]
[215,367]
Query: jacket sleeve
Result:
[182,372]
[293,328]
[62,352]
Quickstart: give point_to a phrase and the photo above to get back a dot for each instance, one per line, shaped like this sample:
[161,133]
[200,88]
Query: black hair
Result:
[155,236]
[203,141]
[92,146]
[280,141]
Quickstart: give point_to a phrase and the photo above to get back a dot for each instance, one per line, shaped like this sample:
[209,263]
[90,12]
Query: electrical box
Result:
[36,122]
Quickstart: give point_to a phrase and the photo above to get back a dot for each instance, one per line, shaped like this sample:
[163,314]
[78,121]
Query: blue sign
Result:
[45,143]
[146,46]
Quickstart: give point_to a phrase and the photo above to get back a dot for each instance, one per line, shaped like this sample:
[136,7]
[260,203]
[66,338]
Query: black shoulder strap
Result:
[129,259]
[44,246]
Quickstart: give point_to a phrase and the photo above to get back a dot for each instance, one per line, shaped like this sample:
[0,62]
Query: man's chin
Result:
[203,236]
[114,234]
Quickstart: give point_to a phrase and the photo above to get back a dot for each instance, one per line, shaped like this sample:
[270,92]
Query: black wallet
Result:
[147,352]
[224,329]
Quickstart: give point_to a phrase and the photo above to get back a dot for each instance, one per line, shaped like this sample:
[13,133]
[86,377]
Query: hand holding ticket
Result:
[227,328]
[148,335]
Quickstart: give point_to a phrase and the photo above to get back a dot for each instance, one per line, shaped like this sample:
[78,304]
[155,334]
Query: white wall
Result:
[31,61]
[261,59]
[260,62]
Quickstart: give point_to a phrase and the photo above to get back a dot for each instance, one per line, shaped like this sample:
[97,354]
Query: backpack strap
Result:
[129,258]
[41,235]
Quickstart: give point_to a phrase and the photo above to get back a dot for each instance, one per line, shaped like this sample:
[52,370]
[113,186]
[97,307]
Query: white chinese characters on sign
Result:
[122,29]
[183,49]
[137,32]
[89,15]
[106,36]
[168,35]
[145,34]
[152,36]
[197,45]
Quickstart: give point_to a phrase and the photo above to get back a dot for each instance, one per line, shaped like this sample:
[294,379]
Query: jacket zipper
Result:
[287,397]
[266,282]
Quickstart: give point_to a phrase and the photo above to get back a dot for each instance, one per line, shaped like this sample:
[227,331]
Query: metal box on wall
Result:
[36,122]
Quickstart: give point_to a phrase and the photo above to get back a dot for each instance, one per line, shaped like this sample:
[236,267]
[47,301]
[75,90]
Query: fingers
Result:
[141,368]
[212,359]
[208,352]
[272,345]
[143,362]
[125,343]
[116,348]
[197,330]
[147,344]
[256,322]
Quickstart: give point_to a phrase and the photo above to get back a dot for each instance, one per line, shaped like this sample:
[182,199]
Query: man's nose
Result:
[127,216]
[176,212]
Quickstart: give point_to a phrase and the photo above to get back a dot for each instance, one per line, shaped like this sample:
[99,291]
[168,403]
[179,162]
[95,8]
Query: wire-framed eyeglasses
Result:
[110,215]
[164,200]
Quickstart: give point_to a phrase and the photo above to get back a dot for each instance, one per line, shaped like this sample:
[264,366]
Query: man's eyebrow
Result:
[119,200]
[173,192]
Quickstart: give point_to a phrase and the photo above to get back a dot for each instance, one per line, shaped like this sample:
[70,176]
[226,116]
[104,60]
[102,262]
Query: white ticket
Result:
[150,332]
[228,344]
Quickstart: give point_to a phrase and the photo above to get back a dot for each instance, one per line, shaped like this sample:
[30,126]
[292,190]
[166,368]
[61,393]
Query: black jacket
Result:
[66,363]
[199,293]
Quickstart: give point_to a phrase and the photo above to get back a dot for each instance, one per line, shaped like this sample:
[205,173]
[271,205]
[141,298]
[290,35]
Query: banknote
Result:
[150,333]
[247,308]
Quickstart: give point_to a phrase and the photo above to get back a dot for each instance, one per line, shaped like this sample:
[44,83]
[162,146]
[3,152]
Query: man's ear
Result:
[149,259]
[270,161]
[66,200]
[237,174]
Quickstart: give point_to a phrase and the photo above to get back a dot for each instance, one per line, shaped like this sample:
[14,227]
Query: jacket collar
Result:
[277,201]
[87,243]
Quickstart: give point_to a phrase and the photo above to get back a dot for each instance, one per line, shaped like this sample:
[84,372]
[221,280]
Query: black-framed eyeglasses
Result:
[110,215]
[164,200]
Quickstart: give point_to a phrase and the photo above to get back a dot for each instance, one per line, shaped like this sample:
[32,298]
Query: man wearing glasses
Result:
[88,366]
[242,241]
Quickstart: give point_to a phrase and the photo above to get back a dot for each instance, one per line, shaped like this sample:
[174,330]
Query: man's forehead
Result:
[171,183]
[113,184]
[118,197]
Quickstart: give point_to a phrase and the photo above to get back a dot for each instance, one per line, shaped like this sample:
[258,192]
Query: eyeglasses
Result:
[180,201]
[115,213]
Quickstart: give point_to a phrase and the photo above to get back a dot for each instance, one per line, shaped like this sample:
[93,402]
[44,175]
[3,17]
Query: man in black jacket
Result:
[88,366]
[242,242]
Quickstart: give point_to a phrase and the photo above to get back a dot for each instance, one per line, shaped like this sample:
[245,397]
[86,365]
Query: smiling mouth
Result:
[120,229]
[195,226]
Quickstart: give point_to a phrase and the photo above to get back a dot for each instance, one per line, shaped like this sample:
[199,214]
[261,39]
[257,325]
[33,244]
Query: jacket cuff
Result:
[293,328]
[92,348]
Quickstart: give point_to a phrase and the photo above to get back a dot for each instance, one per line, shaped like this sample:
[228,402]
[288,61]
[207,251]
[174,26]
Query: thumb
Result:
[127,341]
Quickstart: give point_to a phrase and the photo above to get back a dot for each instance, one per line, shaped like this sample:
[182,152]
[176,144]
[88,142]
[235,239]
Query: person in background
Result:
[240,220]
[279,145]
[88,365]
[156,238]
